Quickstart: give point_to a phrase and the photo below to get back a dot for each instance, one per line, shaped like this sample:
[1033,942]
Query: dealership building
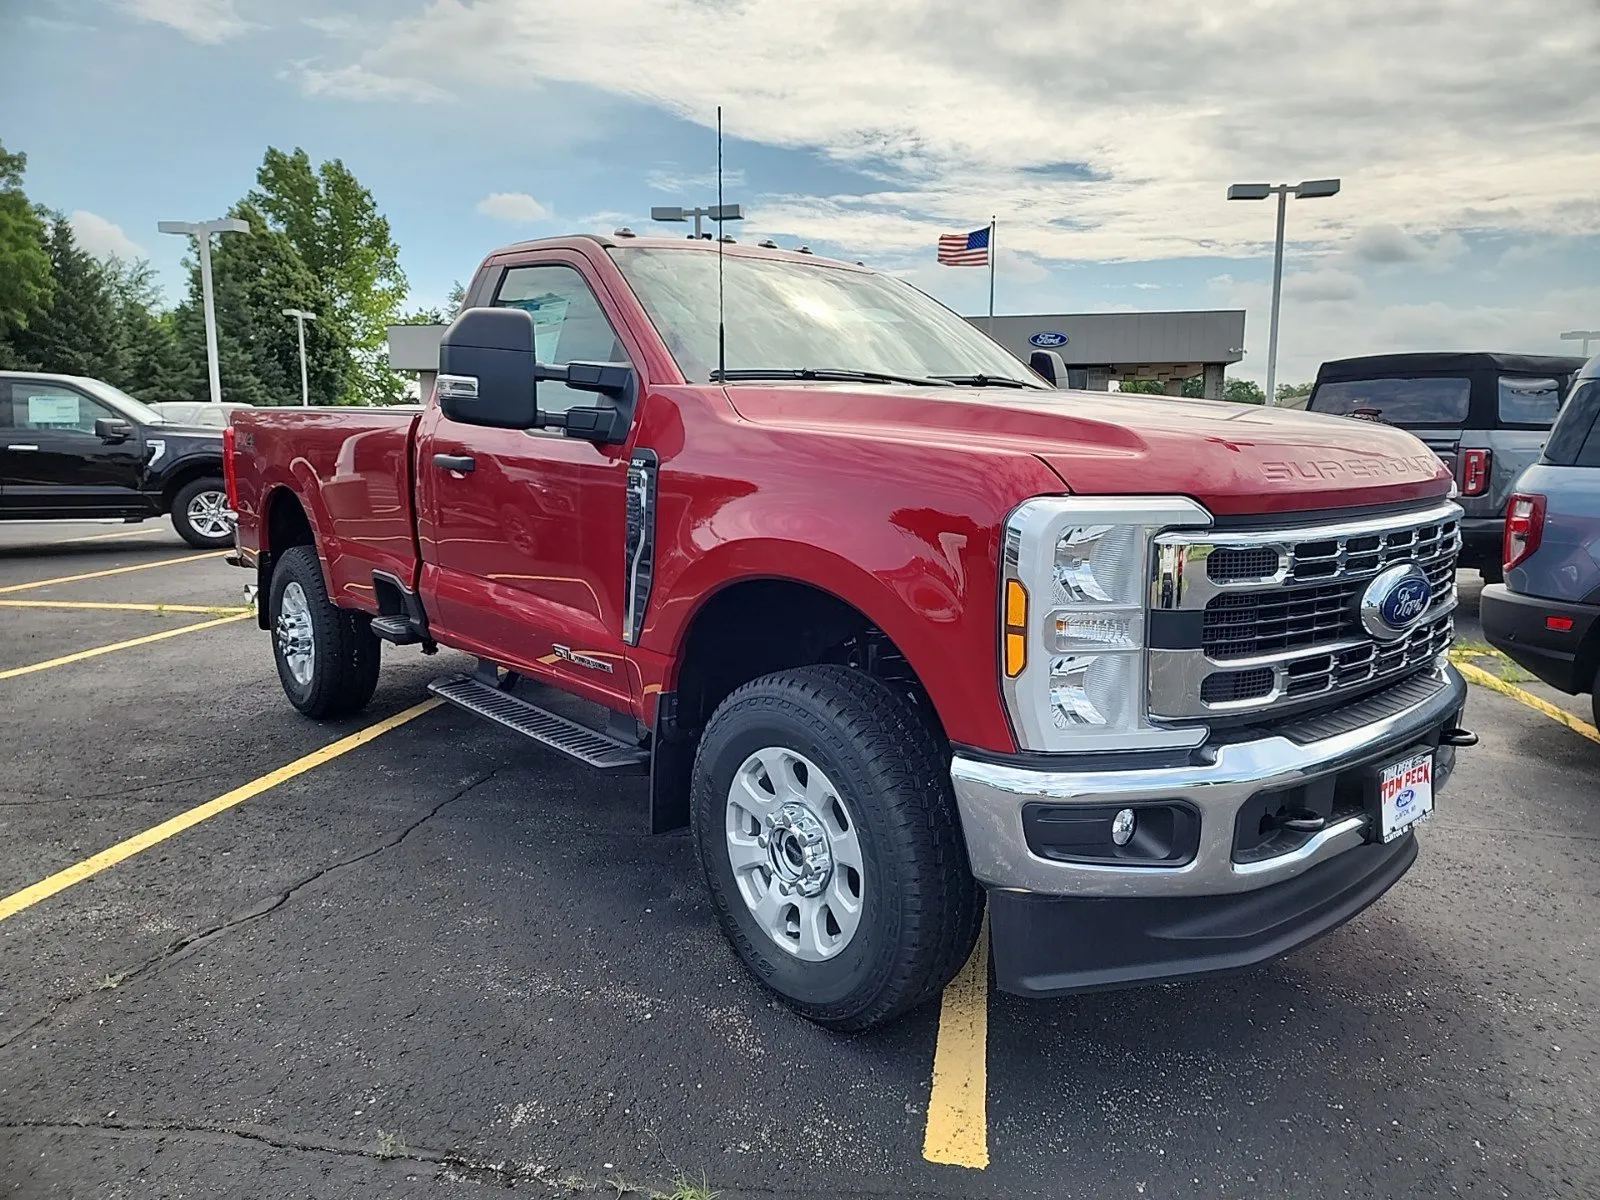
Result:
[1096,347]
[1099,347]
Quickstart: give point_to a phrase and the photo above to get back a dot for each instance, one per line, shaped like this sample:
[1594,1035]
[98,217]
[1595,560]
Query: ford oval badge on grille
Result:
[1395,602]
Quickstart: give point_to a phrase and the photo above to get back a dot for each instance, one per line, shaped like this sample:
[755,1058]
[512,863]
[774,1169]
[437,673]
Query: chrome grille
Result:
[1279,612]
[1248,624]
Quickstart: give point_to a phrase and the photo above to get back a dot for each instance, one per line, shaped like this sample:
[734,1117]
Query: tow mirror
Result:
[487,369]
[112,430]
[1049,365]
[489,374]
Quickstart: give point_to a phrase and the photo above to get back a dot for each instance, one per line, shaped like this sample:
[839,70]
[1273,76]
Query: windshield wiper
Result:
[986,381]
[827,375]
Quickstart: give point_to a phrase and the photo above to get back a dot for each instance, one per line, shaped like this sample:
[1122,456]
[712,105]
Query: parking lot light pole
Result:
[301,316]
[716,212]
[1582,335]
[201,231]
[1308,189]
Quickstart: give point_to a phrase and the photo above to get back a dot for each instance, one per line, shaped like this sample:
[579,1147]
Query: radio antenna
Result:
[722,332]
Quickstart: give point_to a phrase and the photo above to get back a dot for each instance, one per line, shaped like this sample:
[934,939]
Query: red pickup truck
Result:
[895,627]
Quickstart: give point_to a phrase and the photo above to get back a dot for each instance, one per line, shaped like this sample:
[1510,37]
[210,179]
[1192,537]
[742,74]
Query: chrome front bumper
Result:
[991,797]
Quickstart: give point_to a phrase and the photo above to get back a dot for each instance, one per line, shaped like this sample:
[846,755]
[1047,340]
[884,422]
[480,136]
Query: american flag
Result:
[965,249]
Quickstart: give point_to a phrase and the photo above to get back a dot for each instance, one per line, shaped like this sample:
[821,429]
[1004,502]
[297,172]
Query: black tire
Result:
[1492,572]
[188,494]
[345,652]
[921,907]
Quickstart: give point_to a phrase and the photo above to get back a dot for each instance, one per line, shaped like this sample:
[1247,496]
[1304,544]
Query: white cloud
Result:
[513,206]
[1323,285]
[355,82]
[101,237]
[205,21]
[1115,146]
[1389,245]
[1313,332]
[334,24]
[679,182]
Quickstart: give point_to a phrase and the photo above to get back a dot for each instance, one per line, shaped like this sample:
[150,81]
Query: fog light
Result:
[1122,827]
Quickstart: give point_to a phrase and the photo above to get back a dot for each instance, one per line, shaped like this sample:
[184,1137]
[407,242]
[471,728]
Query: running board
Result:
[396,629]
[577,741]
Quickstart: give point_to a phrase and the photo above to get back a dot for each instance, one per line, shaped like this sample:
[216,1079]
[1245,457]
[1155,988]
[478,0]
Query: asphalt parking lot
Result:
[443,961]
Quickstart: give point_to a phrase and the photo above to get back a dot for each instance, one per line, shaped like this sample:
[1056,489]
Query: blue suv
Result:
[1546,616]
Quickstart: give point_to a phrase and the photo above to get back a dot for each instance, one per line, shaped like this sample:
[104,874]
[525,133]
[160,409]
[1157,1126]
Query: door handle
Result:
[22,447]
[455,462]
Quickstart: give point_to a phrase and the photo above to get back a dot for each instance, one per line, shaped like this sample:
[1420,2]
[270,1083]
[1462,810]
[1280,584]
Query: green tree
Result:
[149,361]
[255,277]
[1143,387]
[77,333]
[1289,392]
[25,282]
[333,223]
[1243,391]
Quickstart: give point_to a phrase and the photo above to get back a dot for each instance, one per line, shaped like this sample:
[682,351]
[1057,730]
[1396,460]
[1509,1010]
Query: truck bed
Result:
[351,469]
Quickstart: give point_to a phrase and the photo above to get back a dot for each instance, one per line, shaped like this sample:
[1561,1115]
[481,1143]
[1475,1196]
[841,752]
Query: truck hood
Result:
[1234,458]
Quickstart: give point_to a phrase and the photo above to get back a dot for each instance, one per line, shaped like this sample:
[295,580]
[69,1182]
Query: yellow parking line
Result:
[166,562]
[115,646]
[1554,712]
[11,905]
[114,606]
[101,537]
[958,1105]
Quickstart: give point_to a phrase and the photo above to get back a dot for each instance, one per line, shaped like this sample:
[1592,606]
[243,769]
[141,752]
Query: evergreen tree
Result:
[333,222]
[77,334]
[149,362]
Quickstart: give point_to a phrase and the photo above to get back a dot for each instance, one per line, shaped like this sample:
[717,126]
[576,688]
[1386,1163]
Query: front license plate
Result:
[1406,792]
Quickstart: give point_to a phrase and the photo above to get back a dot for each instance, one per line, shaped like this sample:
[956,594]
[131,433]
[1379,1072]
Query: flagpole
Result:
[992,248]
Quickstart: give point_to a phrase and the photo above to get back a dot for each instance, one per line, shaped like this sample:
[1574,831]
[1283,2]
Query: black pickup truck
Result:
[75,449]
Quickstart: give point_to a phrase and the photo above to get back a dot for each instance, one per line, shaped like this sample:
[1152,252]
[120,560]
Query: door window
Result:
[1526,401]
[568,326]
[1397,401]
[52,408]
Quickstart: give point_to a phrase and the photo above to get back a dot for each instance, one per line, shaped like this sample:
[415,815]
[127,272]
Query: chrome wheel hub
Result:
[795,854]
[296,642]
[208,514]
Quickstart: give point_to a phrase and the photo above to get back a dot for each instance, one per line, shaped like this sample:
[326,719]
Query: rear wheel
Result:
[200,514]
[827,830]
[327,657]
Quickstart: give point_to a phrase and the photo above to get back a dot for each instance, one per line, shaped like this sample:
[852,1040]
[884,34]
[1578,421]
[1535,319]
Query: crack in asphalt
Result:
[453,1167]
[190,942]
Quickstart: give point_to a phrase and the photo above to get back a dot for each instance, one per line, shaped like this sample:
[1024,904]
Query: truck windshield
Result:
[790,318]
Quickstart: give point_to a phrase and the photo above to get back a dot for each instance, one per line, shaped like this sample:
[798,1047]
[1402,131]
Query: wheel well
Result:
[184,476]
[286,525]
[759,626]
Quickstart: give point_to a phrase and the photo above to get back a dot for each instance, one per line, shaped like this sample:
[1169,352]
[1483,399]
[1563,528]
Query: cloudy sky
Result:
[1103,136]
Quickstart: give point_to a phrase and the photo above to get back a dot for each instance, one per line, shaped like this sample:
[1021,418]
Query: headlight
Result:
[1074,581]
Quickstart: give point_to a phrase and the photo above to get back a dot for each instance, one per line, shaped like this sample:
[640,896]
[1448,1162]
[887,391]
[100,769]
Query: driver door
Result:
[53,463]
[523,552]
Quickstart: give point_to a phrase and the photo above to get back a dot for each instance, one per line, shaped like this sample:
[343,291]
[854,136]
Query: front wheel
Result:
[200,514]
[327,656]
[827,829]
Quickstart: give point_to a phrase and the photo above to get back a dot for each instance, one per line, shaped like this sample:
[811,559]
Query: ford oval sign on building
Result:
[1048,341]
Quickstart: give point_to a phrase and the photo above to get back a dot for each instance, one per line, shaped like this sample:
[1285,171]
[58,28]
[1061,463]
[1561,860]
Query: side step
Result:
[570,738]
[398,630]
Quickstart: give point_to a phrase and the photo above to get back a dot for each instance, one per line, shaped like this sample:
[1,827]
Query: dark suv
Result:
[1485,415]
[75,449]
